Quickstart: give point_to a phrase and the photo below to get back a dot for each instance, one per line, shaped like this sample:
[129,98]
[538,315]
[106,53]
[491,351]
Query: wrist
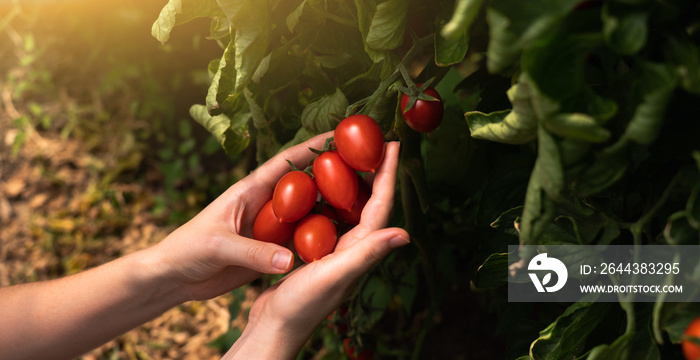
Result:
[153,279]
[268,340]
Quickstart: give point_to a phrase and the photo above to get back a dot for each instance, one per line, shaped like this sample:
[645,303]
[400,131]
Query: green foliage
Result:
[578,129]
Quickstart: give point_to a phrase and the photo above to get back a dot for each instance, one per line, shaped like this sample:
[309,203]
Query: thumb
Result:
[368,251]
[257,255]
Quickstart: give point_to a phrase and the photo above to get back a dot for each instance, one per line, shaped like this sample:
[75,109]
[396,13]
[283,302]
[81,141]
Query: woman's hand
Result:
[214,252]
[290,310]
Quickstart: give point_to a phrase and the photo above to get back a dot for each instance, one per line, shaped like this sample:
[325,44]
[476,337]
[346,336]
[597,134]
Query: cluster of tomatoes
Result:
[294,213]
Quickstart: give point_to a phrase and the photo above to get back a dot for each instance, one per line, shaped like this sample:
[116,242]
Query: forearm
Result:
[64,318]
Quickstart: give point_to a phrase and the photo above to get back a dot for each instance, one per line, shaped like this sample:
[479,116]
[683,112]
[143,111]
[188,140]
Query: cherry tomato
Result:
[691,350]
[269,229]
[360,142]
[424,116]
[294,196]
[337,182]
[352,217]
[314,237]
[352,353]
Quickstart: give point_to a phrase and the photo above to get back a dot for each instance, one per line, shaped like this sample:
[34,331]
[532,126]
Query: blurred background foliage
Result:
[99,156]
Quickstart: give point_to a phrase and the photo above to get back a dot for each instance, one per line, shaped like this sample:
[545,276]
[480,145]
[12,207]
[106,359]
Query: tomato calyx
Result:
[414,91]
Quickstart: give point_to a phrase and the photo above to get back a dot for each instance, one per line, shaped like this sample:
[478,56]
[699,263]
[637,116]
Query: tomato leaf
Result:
[577,126]
[232,134]
[514,25]
[387,27]
[317,116]
[655,86]
[567,335]
[493,272]
[548,166]
[177,12]
[449,51]
[462,18]
[625,30]
[251,25]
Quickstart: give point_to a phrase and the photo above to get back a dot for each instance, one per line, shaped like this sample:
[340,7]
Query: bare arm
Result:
[209,256]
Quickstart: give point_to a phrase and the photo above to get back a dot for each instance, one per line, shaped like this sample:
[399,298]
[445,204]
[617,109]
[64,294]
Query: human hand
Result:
[214,252]
[291,309]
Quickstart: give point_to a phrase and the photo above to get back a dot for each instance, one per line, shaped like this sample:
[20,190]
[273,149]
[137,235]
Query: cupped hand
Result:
[214,252]
[291,309]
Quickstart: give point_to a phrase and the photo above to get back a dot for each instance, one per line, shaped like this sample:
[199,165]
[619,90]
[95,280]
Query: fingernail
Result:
[398,241]
[282,260]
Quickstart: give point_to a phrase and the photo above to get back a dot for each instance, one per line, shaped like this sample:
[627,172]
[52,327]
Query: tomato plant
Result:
[268,228]
[565,122]
[314,237]
[424,115]
[336,181]
[360,142]
[294,196]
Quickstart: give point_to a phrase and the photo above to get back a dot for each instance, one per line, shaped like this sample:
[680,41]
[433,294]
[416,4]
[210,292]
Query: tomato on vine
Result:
[691,350]
[352,216]
[314,237]
[269,229]
[294,196]
[360,142]
[423,115]
[336,181]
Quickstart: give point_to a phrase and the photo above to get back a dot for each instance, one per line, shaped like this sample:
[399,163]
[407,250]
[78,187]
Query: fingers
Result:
[249,253]
[370,250]
[272,170]
[378,209]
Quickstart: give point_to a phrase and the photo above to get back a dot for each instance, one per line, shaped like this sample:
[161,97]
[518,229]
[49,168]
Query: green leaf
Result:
[519,125]
[548,166]
[566,336]
[625,30]
[577,126]
[251,26]
[462,18]
[655,86]
[387,27]
[619,349]
[177,12]
[365,14]
[686,56]
[232,134]
[317,115]
[679,230]
[222,84]
[607,169]
[293,18]
[493,272]
[449,51]
[506,221]
[301,135]
[515,25]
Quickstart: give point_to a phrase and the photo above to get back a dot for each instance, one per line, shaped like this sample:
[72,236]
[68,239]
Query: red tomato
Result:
[269,229]
[294,196]
[336,181]
[360,142]
[424,116]
[352,217]
[691,350]
[365,354]
[314,237]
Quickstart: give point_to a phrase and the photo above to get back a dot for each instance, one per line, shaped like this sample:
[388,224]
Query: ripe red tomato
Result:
[336,181]
[360,142]
[294,196]
[365,354]
[314,237]
[352,217]
[269,229]
[424,116]
[691,350]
